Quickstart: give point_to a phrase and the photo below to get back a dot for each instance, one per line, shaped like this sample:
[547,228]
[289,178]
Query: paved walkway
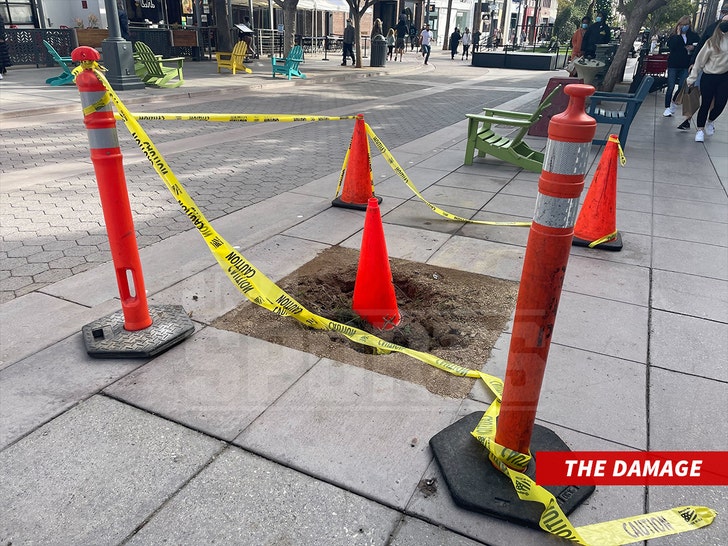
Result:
[231,439]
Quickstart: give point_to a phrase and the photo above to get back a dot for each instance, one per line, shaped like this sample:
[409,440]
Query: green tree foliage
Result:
[604,6]
[569,17]
[664,19]
[635,13]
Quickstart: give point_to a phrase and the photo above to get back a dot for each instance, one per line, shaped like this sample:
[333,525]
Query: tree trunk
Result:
[446,37]
[224,40]
[635,18]
[289,24]
[356,19]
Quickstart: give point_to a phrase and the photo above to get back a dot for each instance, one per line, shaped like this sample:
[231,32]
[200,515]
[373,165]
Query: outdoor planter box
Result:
[91,36]
[184,38]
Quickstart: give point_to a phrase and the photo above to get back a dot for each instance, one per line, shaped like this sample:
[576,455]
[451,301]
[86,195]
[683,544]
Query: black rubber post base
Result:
[475,484]
[107,338]
[613,245]
[357,206]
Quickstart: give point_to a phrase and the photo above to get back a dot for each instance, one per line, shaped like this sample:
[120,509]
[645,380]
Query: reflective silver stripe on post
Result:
[556,212]
[92,97]
[103,138]
[566,157]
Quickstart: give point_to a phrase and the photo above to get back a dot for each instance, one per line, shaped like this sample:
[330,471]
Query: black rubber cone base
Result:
[614,245]
[357,206]
[107,338]
[475,484]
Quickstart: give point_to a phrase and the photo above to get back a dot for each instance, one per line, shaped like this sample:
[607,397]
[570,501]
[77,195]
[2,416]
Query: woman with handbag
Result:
[681,44]
[711,66]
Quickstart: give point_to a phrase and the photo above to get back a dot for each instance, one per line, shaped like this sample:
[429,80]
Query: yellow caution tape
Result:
[251,281]
[653,525]
[622,159]
[604,239]
[399,171]
[252,118]
[261,290]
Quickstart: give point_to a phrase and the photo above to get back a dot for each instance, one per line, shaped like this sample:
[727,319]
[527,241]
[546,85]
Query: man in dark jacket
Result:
[349,37]
[597,33]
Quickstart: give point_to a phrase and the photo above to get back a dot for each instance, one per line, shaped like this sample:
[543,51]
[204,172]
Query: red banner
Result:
[632,468]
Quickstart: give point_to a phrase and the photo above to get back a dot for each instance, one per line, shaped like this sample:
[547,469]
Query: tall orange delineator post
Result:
[143,331]
[544,267]
[109,168]
[479,485]
[358,185]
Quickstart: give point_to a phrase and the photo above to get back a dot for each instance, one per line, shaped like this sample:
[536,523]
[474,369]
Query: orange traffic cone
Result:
[596,226]
[374,298]
[359,181]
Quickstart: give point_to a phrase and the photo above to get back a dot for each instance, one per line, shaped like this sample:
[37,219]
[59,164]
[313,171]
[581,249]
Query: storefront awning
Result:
[324,5]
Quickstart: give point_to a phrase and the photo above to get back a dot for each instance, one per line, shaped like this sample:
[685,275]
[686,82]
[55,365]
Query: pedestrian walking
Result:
[426,38]
[377,29]
[711,65]
[597,33]
[681,44]
[412,37]
[4,53]
[123,20]
[454,42]
[390,43]
[402,36]
[466,39]
[349,37]
[476,40]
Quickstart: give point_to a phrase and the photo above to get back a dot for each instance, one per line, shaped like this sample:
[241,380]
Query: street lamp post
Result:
[118,58]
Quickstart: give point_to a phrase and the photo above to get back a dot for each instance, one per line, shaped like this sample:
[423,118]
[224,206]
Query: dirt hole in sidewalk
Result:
[449,313]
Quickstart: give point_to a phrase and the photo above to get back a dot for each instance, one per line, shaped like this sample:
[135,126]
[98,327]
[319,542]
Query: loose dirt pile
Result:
[451,314]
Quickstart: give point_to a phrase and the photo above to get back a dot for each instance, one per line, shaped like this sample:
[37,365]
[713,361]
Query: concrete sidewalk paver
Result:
[671,336]
[415,532]
[49,382]
[370,430]
[244,499]
[220,394]
[694,296]
[95,473]
[576,374]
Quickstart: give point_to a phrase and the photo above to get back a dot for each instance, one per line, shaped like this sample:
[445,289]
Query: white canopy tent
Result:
[324,5]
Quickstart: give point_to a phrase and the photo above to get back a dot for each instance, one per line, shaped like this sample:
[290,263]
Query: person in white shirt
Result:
[466,39]
[712,63]
[426,38]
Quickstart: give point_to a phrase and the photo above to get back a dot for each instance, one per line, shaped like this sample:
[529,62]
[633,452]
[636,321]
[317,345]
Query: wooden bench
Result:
[151,70]
[289,65]
[66,78]
[483,138]
[631,102]
[233,60]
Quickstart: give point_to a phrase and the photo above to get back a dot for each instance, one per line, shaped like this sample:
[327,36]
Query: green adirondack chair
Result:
[289,65]
[483,138]
[66,78]
[151,70]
